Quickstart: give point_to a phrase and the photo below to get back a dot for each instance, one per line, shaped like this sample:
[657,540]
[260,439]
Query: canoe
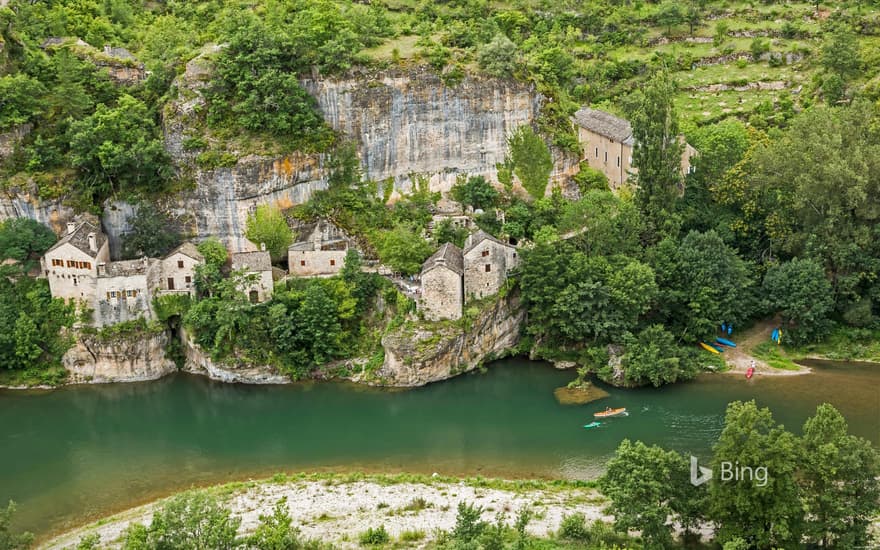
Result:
[726,342]
[611,412]
[593,425]
[707,347]
[750,373]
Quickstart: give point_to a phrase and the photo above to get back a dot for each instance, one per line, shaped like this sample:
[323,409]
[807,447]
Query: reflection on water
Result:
[81,452]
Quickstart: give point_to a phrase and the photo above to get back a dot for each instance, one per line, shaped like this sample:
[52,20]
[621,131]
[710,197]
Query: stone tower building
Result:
[487,263]
[442,285]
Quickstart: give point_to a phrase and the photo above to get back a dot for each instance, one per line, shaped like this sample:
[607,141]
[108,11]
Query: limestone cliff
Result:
[415,356]
[199,362]
[124,359]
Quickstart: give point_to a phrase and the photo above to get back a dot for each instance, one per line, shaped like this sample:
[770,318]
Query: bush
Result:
[574,527]
[374,537]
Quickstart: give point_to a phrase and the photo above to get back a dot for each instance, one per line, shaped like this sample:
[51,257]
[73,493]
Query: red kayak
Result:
[750,373]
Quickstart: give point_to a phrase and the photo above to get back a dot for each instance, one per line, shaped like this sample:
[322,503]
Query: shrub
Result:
[574,527]
[374,537]
[467,523]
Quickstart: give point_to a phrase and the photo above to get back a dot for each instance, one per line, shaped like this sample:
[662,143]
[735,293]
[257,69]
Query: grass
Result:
[843,344]
[49,376]
[774,356]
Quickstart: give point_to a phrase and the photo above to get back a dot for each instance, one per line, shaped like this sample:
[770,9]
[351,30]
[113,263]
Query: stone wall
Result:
[478,282]
[429,353]
[441,294]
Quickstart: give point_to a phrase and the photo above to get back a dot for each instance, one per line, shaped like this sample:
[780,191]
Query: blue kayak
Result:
[726,342]
[593,425]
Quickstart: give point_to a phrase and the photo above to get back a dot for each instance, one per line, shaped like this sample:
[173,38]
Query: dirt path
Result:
[740,358]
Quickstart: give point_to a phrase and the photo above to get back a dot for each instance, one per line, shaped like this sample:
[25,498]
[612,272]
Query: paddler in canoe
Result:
[609,412]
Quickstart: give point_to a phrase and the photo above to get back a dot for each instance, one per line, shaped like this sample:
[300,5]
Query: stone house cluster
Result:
[608,145]
[78,267]
[451,276]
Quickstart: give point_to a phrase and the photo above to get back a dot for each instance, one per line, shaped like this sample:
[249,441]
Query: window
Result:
[180,264]
[188,279]
[113,294]
[57,263]
[302,263]
[597,152]
[488,268]
[618,162]
[606,156]
[170,283]
[108,295]
[70,263]
[332,262]
[485,253]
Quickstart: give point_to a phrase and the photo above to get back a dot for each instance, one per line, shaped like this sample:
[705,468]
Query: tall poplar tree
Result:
[657,152]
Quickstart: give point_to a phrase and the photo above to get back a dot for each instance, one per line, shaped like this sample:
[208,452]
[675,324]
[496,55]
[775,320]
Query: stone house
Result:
[258,264]
[71,265]
[178,270]
[123,290]
[487,263]
[608,145]
[442,294]
[320,250]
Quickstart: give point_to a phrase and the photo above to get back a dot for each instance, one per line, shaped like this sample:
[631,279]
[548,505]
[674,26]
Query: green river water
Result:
[81,452]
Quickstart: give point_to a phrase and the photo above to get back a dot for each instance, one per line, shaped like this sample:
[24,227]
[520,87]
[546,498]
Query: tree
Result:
[801,292]
[589,179]
[475,191]
[24,239]
[20,99]
[658,150]
[151,233]
[118,149]
[669,14]
[637,481]
[402,249]
[703,283]
[499,57]
[654,357]
[531,160]
[8,539]
[275,531]
[267,226]
[191,521]
[209,274]
[765,511]
[839,479]
[447,232]
[840,53]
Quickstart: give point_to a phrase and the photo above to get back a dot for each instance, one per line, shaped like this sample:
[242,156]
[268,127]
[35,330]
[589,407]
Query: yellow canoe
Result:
[707,347]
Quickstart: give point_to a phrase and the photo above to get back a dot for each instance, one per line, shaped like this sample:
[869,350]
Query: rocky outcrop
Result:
[133,358]
[415,356]
[199,362]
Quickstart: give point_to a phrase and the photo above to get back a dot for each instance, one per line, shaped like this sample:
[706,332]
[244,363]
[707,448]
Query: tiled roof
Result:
[604,124]
[449,256]
[332,237]
[187,249]
[479,236]
[252,261]
[80,239]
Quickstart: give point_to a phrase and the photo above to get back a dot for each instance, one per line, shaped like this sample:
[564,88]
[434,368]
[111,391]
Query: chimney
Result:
[71,227]
[101,268]
[262,247]
[93,242]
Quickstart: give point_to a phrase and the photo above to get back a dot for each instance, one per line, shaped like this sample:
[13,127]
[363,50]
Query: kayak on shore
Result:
[750,373]
[709,348]
[726,342]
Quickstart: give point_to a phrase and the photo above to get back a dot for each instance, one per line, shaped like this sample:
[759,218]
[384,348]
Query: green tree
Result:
[448,232]
[275,531]
[589,179]
[702,284]
[840,53]
[658,150]
[669,14]
[402,249]
[766,514]
[839,479]
[637,481]
[151,233]
[475,191]
[191,521]
[267,226]
[801,292]
[20,99]
[8,539]
[24,239]
[531,160]
[654,357]
[118,149]
[209,274]
[499,57]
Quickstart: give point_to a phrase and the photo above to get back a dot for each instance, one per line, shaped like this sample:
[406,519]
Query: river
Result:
[82,452]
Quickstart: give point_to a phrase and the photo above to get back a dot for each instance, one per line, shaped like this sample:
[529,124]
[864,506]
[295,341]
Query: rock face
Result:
[199,362]
[142,357]
[415,357]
